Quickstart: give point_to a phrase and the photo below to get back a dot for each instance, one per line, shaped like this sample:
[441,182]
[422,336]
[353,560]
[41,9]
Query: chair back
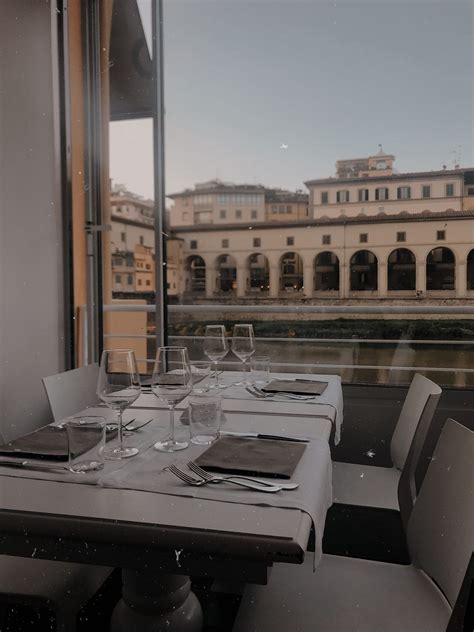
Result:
[441,528]
[420,404]
[71,391]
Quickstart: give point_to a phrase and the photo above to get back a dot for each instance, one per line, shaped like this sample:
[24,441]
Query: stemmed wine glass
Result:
[171,382]
[118,386]
[243,346]
[215,348]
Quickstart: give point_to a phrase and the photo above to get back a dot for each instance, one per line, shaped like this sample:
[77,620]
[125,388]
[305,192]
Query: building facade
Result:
[370,234]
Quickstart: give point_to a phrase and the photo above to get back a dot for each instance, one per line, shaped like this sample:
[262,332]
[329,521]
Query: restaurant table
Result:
[160,539]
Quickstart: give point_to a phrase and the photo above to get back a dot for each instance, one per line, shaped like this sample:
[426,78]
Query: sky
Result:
[275,91]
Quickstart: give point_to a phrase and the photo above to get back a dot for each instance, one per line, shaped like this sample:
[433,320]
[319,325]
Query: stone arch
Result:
[291,272]
[195,275]
[226,274]
[470,270]
[440,269]
[401,270]
[363,271]
[258,272]
[326,272]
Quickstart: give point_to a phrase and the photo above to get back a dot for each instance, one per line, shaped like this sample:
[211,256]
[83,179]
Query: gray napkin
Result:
[49,442]
[297,387]
[255,457]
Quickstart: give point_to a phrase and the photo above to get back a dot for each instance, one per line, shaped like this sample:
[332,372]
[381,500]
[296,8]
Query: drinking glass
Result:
[118,387]
[201,374]
[86,443]
[243,346]
[205,417]
[215,348]
[259,370]
[171,382]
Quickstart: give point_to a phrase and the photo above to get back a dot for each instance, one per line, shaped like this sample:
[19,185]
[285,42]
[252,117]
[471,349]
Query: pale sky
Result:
[275,91]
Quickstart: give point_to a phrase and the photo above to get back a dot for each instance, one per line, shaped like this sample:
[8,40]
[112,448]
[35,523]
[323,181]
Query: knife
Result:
[29,465]
[260,435]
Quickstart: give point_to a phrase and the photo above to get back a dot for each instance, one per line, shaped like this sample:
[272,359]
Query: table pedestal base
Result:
[156,603]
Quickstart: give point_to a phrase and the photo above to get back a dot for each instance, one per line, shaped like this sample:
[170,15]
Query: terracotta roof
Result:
[404,216]
[395,176]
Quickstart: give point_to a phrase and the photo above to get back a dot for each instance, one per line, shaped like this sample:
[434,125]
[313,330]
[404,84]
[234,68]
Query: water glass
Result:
[205,413]
[201,374]
[259,370]
[86,443]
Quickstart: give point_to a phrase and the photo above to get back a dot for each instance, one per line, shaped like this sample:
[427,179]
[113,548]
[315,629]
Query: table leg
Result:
[154,603]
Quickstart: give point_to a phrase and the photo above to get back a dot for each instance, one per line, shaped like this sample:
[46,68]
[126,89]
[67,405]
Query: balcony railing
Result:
[357,360]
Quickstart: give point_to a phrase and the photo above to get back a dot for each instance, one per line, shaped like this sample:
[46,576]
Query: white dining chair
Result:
[72,391]
[372,486]
[61,587]
[366,596]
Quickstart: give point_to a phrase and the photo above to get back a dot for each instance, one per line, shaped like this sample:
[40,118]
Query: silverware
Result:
[253,390]
[137,426]
[29,465]
[190,480]
[218,478]
[259,435]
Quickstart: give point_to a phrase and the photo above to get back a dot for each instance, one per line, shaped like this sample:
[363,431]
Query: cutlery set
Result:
[202,477]
[256,392]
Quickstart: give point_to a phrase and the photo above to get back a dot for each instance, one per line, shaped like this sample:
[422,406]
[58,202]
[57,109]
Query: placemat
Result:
[296,387]
[255,457]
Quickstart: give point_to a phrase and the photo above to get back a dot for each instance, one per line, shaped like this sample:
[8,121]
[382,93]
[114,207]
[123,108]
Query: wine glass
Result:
[243,346]
[118,386]
[215,348]
[171,382]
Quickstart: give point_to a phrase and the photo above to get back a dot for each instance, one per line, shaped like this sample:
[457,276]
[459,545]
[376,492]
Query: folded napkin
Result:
[49,442]
[297,387]
[255,457]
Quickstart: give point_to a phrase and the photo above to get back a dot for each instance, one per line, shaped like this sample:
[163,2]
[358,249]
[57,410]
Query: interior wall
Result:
[31,256]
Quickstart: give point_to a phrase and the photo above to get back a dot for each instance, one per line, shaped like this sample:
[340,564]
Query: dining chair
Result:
[62,588]
[366,596]
[372,486]
[72,391]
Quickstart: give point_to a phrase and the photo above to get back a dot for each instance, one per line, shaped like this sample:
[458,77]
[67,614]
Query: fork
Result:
[217,479]
[137,426]
[253,390]
[190,480]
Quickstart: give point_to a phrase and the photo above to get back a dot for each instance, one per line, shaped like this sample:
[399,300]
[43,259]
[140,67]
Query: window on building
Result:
[449,190]
[118,278]
[225,243]
[139,281]
[342,196]
[168,285]
[324,197]
[381,193]
[363,195]
[193,244]
[281,209]
[253,214]
[274,208]
[147,266]
[290,241]
[326,240]
[238,214]
[257,242]
[402,236]
[440,235]
[123,237]
[222,213]
[426,191]
[363,238]
[141,240]
[288,208]
[119,209]
[129,279]
[148,282]
[470,191]
[404,193]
